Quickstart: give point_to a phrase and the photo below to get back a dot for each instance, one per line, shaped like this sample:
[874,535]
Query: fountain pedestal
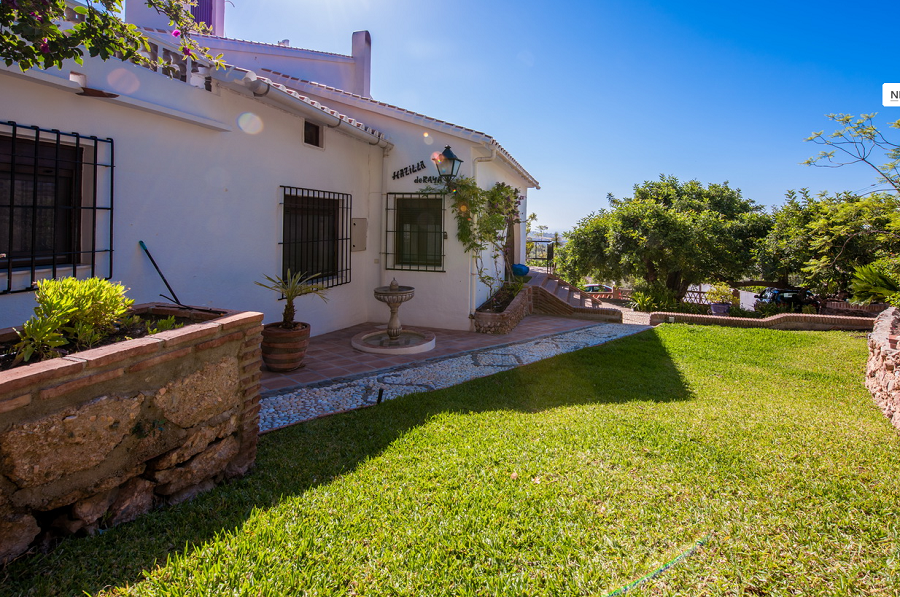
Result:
[395,340]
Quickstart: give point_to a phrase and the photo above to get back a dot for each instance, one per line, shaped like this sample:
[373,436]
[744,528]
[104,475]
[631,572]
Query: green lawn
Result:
[573,476]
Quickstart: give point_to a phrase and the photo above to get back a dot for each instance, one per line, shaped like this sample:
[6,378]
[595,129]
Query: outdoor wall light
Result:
[447,164]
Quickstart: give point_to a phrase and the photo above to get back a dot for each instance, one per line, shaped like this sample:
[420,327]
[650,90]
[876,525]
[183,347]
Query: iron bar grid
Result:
[56,205]
[414,234]
[316,236]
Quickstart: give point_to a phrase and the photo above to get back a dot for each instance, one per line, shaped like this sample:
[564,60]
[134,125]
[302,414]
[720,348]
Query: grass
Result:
[572,476]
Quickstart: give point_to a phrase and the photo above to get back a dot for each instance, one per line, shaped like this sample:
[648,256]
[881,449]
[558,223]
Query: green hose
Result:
[662,568]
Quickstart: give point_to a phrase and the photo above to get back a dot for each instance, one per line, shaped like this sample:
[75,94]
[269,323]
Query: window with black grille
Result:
[317,235]
[56,206]
[414,238]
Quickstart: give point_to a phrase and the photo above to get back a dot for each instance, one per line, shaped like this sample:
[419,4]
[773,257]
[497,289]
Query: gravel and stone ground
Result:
[282,408]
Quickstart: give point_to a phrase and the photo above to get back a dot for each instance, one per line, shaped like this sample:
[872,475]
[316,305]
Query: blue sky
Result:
[594,97]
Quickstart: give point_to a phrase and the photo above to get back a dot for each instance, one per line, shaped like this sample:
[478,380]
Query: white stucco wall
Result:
[202,189]
[350,73]
[205,202]
[443,299]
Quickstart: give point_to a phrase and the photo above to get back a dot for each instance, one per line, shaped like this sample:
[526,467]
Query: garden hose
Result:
[663,568]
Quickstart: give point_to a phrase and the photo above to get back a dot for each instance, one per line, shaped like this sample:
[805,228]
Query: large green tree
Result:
[820,241]
[43,33]
[669,233]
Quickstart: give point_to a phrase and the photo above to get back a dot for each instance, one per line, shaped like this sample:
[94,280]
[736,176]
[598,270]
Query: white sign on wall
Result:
[890,94]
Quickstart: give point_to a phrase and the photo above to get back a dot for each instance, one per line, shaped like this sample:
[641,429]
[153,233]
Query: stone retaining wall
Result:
[782,321]
[504,323]
[96,438]
[883,367]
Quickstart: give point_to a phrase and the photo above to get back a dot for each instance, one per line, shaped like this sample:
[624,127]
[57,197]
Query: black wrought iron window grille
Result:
[316,236]
[414,234]
[56,206]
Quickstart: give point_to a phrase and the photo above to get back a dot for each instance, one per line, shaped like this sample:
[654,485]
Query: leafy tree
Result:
[856,142]
[31,34]
[669,234]
[821,241]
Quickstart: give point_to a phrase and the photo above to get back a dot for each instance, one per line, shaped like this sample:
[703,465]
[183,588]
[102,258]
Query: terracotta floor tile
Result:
[330,355]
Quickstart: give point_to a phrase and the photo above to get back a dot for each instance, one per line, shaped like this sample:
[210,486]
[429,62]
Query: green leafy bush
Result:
[721,293]
[80,312]
[653,297]
[770,309]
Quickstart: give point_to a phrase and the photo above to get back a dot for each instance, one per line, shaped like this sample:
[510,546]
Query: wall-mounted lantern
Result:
[447,164]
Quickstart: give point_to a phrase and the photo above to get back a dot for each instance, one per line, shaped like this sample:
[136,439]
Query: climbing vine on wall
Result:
[483,219]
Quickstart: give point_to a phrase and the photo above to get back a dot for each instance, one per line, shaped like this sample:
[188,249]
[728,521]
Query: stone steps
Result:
[554,296]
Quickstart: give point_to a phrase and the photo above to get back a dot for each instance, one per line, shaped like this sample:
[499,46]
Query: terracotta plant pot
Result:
[283,350]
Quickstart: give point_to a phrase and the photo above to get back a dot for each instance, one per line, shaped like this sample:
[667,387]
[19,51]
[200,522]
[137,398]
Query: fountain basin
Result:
[410,341]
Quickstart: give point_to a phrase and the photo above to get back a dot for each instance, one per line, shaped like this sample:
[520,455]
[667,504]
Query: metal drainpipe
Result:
[473,264]
[382,273]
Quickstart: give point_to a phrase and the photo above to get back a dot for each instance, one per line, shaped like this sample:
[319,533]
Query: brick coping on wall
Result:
[782,321]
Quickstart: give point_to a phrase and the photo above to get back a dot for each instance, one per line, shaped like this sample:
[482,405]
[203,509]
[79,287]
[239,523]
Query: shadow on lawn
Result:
[296,459]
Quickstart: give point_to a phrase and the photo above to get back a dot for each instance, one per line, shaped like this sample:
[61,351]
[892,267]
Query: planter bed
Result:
[504,322]
[98,437]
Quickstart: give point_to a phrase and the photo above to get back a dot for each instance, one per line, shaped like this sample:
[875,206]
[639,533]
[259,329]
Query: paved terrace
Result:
[338,378]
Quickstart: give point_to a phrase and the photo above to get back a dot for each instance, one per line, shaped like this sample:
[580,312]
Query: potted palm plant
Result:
[284,342]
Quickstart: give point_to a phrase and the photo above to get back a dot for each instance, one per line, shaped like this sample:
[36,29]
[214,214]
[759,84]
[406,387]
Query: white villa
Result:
[281,161]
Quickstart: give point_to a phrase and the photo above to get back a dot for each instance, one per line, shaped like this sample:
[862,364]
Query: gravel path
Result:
[283,408]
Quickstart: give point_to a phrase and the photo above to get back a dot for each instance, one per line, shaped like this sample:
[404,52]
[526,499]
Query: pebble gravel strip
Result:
[282,408]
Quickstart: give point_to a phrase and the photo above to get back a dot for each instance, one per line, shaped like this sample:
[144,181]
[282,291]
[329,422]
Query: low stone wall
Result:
[96,438]
[504,323]
[883,367]
[782,321]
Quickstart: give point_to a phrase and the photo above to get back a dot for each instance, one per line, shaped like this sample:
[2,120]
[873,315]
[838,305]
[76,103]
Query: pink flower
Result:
[176,33]
[45,48]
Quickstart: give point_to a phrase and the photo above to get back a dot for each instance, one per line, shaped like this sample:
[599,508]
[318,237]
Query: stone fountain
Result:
[394,340]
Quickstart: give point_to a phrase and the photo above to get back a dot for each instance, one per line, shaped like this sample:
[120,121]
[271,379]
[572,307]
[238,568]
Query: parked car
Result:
[597,288]
[795,298]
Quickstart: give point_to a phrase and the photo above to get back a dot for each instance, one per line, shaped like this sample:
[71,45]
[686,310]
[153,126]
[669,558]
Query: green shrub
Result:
[81,312]
[653,297]
[770,309]
[163,325]
[720,293]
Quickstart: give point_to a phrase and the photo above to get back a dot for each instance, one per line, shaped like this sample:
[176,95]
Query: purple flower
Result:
[187,52]
[45,48]
[176,33]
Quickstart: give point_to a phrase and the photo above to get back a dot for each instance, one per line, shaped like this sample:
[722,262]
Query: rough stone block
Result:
[203,466]
[42,498]
[91,509]
[17,531]
[191,492]
[197,441]
[135,498]
[201,395]
[71,440]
